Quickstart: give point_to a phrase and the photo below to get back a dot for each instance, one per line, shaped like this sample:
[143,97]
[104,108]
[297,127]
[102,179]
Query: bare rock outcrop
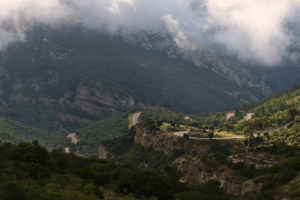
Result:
[159,140]
[104,153]
[196,173]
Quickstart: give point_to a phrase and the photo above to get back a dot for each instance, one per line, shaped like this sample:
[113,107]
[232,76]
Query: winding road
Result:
[270,130]
[180,134]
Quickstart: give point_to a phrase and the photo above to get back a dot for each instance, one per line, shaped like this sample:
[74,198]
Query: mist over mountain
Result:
[72,76]
[255,31]
[80,61]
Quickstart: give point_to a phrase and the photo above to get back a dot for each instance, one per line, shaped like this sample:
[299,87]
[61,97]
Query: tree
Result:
[211,128]
[297,118]
[266,133]
[247,132]
[213,186]
[259,125]
[228,127]
[215,122]
[73,148]
[186,136]
[210,134]
[292,112]
[237,113]
[173,124]
[145,183]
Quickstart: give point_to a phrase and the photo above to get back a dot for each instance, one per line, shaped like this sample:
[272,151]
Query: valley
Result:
[149,100]
[245,158]
[86,118]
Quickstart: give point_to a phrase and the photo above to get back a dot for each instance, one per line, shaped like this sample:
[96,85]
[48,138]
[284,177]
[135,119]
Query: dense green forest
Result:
[15,132]
[28,171]
[91,136]
[274,103]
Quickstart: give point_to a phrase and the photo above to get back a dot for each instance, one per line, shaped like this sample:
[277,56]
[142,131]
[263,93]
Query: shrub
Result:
[145,184]
[248,173]
[287,175]
[274,169]
[210,134]
[236,166]
[177,152]
[186,136]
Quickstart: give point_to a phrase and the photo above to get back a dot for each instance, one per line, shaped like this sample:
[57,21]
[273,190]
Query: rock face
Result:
[104,154]
[160,141]
[232,181]
[260,161]
[195,171]
[200,55]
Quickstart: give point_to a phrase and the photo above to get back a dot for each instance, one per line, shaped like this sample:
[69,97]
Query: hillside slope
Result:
[71,77]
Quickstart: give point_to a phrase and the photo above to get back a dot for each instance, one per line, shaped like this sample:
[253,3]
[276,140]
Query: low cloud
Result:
[253,29]
[16,16]
[259,31]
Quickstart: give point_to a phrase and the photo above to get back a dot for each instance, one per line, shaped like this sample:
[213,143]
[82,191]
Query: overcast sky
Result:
[254,30]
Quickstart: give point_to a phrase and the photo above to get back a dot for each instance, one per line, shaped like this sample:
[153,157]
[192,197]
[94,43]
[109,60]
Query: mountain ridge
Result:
[201,56]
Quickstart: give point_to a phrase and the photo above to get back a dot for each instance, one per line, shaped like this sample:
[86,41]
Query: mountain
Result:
[287,73]
[264,164]
[16,132]
[199,54]
[70,77]
[278,78]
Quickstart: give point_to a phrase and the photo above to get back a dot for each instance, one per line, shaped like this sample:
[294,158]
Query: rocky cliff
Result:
[260,161]
[104,154]
[233,182]
[195,171]
[159,140]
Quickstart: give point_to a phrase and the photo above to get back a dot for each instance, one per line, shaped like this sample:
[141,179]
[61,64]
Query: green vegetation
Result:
[130,121]
[157,113]
[91,136]
[275,103]
[28,171]
[111,70]
[14,132]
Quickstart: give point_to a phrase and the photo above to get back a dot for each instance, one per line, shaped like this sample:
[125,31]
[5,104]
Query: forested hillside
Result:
[16,132]
[91,136]
[69,77]
[28,171]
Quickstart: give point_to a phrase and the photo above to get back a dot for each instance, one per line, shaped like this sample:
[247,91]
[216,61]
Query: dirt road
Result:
[180,134]
[270,130]
[74,139]
[135,118]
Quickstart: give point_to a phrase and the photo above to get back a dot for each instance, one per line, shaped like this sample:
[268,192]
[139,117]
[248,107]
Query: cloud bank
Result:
[254,30]
[16,16]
